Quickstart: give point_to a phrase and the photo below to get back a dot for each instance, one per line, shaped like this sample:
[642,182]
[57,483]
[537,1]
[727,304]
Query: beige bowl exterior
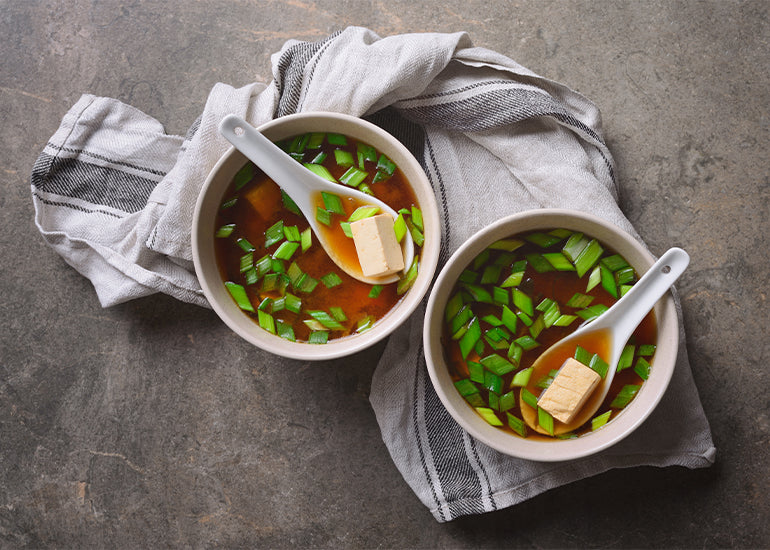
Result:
[550,451]
[211,196]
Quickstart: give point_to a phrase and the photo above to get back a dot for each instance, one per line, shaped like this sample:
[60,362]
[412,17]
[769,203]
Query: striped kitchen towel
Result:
[114,195]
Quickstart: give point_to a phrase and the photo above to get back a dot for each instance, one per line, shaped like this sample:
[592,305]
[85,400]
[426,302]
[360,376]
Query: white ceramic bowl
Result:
[540,450]
[211,196]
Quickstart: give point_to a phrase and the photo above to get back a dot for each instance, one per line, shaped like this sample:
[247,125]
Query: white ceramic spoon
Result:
[304,187]
[614,327]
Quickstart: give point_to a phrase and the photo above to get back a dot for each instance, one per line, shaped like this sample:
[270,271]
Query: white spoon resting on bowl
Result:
[609,332]
[304,187]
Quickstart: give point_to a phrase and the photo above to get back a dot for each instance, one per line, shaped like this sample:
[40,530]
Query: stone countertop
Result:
[149,424]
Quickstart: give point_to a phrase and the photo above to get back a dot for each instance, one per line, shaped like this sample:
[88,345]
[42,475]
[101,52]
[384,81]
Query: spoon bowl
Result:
[608,334]
[305,188]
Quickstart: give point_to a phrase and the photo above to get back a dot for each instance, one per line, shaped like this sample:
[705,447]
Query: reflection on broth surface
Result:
[519,297]
[274,267]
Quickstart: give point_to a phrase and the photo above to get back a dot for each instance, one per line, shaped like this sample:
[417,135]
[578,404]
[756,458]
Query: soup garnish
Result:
[275,270]
[517,298]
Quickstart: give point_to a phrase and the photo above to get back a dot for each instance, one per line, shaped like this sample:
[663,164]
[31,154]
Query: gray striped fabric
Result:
[114,196]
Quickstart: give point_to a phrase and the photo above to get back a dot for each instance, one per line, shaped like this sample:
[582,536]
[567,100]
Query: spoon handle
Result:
[270,159]
[638,301]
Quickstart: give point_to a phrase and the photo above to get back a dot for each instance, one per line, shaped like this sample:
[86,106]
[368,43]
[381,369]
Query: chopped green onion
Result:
[608,281]
[225,231]
[599,421]
[336,139]
[286,250]
[319,158]
[526,342]
[545,420]
[318,337]
[507,401]
[323,216]
[466,387]
[515,352]
[274,234]
[491,274]
[306,239]
[365,324]
[343,157]
[493,382]
[642,368]
[285,331]
[471,336]
[263,265]
[409,278]
[564,320]
[508,318]
[417,218]
[266,321]
[251,276]
[614,263]
[528,398]
[453,306]
[229,203]
[320,170]
[291,232]
[497,364]
[543,240]
[489,415]
[247,262]
[399,226]
[325,319]
[516,424]
[245,245]
[594,278]
[646,349]
[353,177]
[315,140]
[243,176]
[330,280]
[521,378]
[579,300]
[363,212]
[588,257]
[338,314]
[292,303]
[239,295]
[365,153]
[625,395]
[333,203]
[559,261]
[582,355]
[375,291]
[298,143]
[289,204]
[384,164]
[345,226]
[539,263]
[509,245]
[476,371]
[626,357]
[522,301]
[599,365]
[574,246]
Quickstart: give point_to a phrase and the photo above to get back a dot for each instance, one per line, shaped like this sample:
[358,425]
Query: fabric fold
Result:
[114,195]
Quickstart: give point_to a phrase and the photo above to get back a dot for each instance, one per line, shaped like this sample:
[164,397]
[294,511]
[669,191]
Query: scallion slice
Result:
[509,245]
[289,203]
[599,365]
[323,216]
[642,368]
[291,233]
[247,262]
[529,398]
[243,176]
[225,231]
[365,324]
[375,291]
[331,279]
[338,314]
[470,338]
[365,153]
[559,261]
[238,293]
[545,420]
[626,357]
[343,157]
[476,371]
[489,415]
[285,331]
[292,303]
[363,212]
[306,239]
[336,139]
[384,164]
[266,321]
[399,226]
[599,421]
[274,234]
[521,378]
[497,364]
[543,240]
[516,424]
[625,395]
[522,301]
[409,278]
[588,257]
[332,202]
[318,337]
[245,245]
[325,319]
[320,170]
[353,177]
[286,250]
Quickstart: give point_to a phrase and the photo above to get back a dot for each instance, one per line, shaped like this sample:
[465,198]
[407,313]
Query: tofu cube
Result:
[378,250]
[569,390]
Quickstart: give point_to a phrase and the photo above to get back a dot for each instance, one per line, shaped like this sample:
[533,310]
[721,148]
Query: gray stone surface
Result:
[151,425]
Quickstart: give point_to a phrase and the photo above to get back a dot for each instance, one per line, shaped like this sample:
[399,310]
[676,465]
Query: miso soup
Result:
[520,296]
[274,267]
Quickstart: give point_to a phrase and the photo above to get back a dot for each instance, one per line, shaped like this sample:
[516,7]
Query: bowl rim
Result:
[202,236]
[550,451]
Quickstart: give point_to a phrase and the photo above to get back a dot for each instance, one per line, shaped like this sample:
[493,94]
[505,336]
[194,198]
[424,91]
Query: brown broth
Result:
[260,205]
[559,286]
